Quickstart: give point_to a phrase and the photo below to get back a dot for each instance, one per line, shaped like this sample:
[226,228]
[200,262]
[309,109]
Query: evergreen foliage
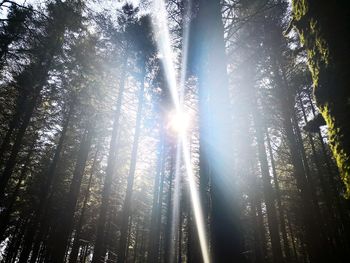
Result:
[99,161]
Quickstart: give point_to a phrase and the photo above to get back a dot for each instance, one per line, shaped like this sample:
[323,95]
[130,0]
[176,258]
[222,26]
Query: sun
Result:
[179,121]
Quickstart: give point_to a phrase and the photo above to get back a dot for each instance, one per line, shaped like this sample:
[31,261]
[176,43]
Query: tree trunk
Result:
[216,162]
[267,187]
[76,243]
[43,198]
[323,29]
[334,190]
[22,104]
[63,230]
[156,205]
[311,229]
[12,160]
[128,197]
[158,235]
[99,247]
[13,249]
[279,199]
[5,215]
[293,238]
[169,216]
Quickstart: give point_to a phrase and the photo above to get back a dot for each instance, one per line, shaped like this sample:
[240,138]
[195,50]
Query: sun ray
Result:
[167,55]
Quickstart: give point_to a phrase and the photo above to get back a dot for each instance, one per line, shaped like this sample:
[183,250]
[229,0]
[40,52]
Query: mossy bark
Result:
[323,28]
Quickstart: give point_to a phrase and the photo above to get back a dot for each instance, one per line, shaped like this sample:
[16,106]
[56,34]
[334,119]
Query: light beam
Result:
[161,29]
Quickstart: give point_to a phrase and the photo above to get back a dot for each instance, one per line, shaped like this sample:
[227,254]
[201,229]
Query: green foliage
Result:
[14,28]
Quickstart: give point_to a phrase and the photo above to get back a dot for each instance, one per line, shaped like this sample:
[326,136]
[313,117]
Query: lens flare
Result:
[179,122]
[161,30]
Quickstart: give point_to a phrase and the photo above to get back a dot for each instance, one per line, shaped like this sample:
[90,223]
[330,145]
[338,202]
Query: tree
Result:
[215,158]
[322,30]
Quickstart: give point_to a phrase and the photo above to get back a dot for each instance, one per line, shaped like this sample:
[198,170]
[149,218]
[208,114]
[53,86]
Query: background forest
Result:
[174,131]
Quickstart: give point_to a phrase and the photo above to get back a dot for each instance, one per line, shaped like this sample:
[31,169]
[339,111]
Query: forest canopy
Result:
[211,131]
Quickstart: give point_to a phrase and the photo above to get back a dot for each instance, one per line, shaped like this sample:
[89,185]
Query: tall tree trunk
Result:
[76,243]
[158,234]
[14,246]
[339,204]
[43,198]
[311,229]
[323,29]
[63,230]
[128,239]
[129,190]
[261,228]
[22,104]
[5,215]
[292,238]
[169,215]
[99,247]
[215,162]
[137,239]
[279,199]
[259,239]
[260,248]
[320,223]
[156,205]
[180,236]
[334,225]
[267,187]
[12,160]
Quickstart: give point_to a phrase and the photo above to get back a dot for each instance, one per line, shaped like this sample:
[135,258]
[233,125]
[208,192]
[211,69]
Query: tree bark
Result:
[12,160]
[279,199]
[216,162]
[267,187]
[99,247]
[14,124]
[76,243]
[63,230]
[129,190]
[169,215]
[5,215]
[323,29]
[311,229]
[43,198]
[156,205]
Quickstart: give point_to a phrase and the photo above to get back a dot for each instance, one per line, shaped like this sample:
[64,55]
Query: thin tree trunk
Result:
[158,234]
[39,212]
[137,240]
[128,197]
[279,199]
[10,246]
[76,243]
[12,160]
[268,190]
[293,238]
[258,250]
[261,226]
[99,246]
[14,124]
[179,243]
[344,218]
[154,234]
[311,229]
[169,216]
[5,215]
[63,230]
[128,240]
